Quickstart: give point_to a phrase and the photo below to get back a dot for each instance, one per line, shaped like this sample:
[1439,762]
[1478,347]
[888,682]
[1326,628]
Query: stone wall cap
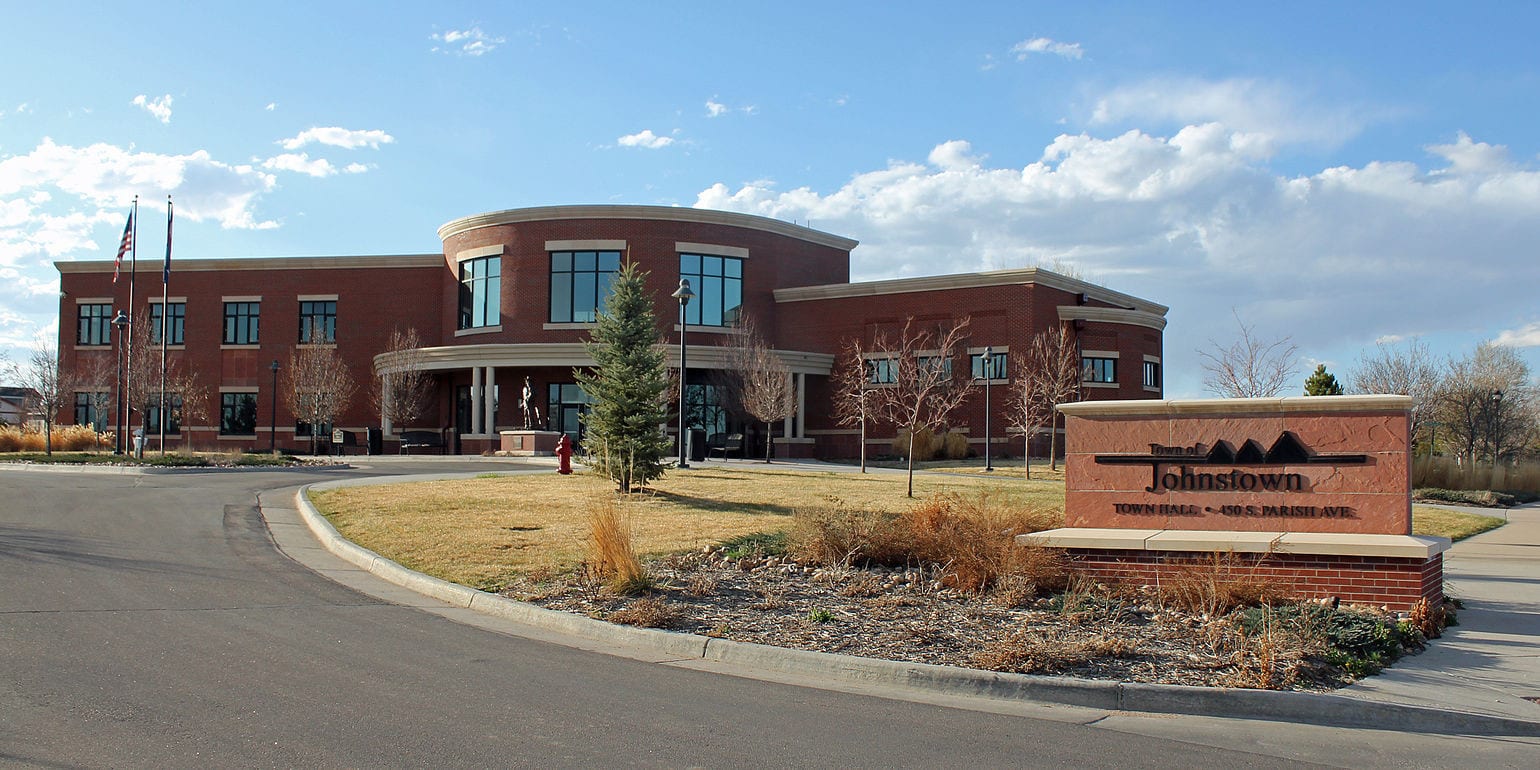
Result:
[1222,541]
[1232,406]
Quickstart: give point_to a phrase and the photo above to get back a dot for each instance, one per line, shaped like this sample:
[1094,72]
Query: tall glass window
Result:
[173,416]
[481,282]
[1151,374]
[1099,369]
[95,325]
[237,414]
[580,284]
[565,405]
[881,371]
[997,368]
[718,285]
[241,322]
[318,322]
[176,321]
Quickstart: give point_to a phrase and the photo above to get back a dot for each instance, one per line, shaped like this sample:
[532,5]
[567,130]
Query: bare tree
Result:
[180,397]
[402,388]
[764,388]
[1046,376]
[1249,367]
[50,385]
[1408,370]
[925,389]
[317,386]
[854,402]
[99,379]
[1487,403]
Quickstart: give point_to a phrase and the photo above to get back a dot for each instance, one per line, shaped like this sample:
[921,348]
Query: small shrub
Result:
[975,541]
[840,536]
[1218,584]
[926,444]
[648,612]
[819,615]
[755,544]
[954,446]
[612,550]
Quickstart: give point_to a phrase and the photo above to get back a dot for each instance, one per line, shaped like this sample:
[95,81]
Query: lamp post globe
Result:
[684,295]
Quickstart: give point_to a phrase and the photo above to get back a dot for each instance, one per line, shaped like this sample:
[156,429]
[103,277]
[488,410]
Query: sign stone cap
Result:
[1216,406]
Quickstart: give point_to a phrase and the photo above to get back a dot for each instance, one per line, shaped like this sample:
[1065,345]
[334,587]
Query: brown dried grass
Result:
[66,438]
[1219,583]
[612,557]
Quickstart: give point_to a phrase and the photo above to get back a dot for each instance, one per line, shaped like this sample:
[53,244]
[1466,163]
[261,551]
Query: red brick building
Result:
[513,296]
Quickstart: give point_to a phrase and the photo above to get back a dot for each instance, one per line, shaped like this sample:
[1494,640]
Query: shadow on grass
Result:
[730,506]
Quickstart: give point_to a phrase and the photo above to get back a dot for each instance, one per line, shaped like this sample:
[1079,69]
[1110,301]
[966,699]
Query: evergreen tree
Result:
[623,438]
[1322,383]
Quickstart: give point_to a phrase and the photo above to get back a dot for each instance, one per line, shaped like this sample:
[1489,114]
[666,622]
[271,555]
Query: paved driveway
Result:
[148,620]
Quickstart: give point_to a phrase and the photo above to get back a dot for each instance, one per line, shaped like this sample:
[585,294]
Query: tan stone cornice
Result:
[1022,276]
[1228,406]
[265,263]
[530,354]
[1112,315]
[655,213]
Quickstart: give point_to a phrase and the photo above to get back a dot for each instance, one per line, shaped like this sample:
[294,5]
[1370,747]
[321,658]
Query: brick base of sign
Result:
[1398,583]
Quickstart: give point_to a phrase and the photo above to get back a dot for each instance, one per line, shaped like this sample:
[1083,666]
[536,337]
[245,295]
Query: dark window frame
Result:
[243,323]
[1000,366]
[717,281]
[481,281]
[579,284]
[173,417]
[86,412]
[93,323]
[1098,369]
[231,410]
[312,311]
[176,323]
[1152,374]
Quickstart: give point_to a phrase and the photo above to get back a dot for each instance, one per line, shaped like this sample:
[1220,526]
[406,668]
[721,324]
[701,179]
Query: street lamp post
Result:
[1497,407]
[683,294]
[989,374]
[272,436]
[120,399]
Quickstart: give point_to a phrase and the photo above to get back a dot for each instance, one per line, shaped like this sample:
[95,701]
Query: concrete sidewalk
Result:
[1490,663]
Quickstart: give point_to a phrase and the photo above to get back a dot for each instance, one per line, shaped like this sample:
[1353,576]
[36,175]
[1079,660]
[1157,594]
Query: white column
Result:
[491,399]
[384,405]
[801,404]
[788,424]
[475,425]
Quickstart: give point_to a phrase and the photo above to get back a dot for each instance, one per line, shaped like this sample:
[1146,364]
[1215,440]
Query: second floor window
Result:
[318,322]
[241,322]
[996,370]
[95,326]
[176,322]
[481,283]
[881,371]
[1151,374]
[718,285]
[580,284]
[1099,369]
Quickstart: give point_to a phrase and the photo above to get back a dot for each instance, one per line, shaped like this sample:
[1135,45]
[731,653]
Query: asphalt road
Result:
[150,621]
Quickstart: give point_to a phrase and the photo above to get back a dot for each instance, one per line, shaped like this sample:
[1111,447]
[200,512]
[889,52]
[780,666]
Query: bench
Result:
[416,439]
[732,443]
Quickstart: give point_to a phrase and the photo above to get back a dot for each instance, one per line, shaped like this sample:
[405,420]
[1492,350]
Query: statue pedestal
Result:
[529,443]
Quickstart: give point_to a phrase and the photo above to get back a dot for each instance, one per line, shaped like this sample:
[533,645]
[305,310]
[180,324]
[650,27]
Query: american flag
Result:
[124,246]
[165,269]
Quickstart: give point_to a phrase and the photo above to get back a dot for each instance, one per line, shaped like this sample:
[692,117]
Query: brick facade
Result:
[795,288]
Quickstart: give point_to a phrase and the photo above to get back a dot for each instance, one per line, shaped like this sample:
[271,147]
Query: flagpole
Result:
[165,325]
[128,409]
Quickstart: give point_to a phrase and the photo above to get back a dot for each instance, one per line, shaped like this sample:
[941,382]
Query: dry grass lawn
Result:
[1427,520]
[480,531]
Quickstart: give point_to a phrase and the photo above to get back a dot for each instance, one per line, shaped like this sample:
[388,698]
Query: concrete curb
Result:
[159,470]
[1306,708]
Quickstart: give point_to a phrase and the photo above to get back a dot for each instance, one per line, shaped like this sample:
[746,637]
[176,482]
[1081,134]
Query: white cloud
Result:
[715,109]
[1335,259]
[1026,48]
[300,163]
[645,139]
[1527,336]
[271,106]
[355,168]
[1266,112]
[466,42]
[338,137]
[160,108]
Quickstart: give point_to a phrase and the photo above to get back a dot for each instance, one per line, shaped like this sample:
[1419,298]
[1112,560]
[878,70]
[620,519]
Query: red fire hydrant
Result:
[564,453]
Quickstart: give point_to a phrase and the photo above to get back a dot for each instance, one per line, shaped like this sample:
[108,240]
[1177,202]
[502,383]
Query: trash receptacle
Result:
[376,441]
[139,442]
[697,445]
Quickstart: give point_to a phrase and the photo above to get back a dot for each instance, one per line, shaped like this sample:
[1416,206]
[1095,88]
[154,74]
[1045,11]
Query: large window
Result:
[95,327]
[882,371]
[935,365]
[173,417]
[317,322]
[1152,374]
[237,414]
[176,321]
[718,286]
[480,292]
[91,409]
[241,322]
[1099,369]
[997,366]
[580,283]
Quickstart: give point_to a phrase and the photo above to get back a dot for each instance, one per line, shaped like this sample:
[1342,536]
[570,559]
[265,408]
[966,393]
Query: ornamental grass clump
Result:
[612,558]
[973,538]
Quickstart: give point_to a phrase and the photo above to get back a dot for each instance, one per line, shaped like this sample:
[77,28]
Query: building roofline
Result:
[1020,276]
[655,213]
[266,263]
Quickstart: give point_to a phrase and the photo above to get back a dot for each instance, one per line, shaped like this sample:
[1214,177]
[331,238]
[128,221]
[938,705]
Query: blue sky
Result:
[1341,176]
